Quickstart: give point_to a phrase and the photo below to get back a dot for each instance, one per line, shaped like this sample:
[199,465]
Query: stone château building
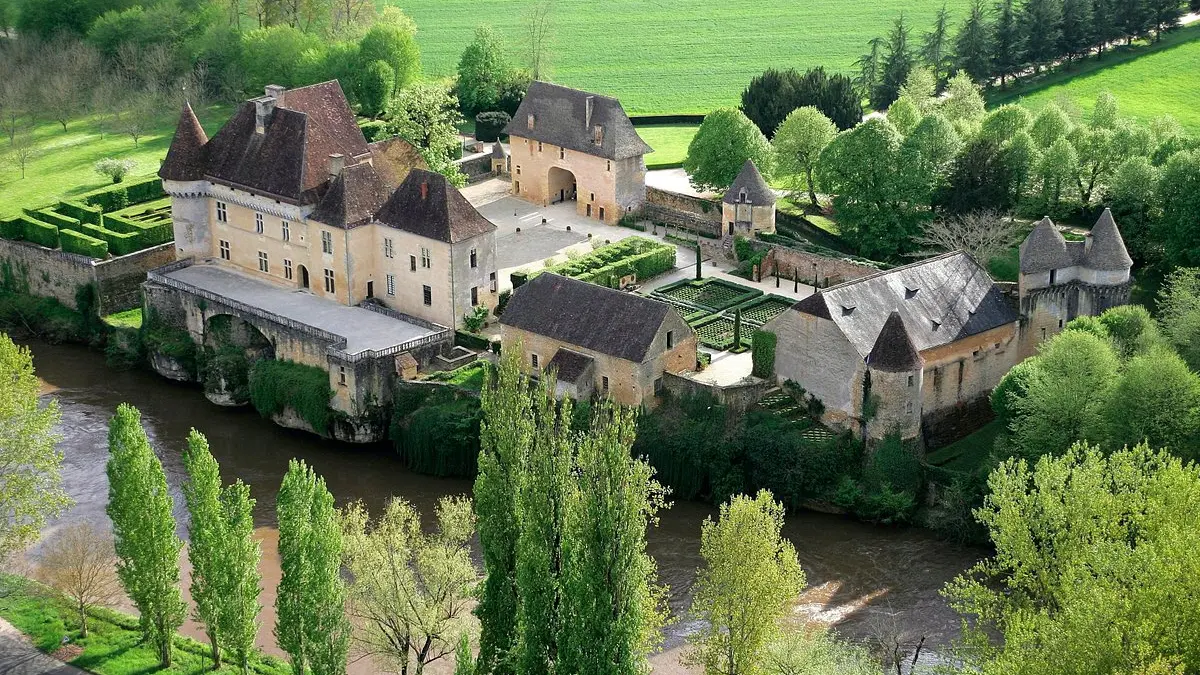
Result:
[571,145]
[289,191]
[749,204]
[598,340]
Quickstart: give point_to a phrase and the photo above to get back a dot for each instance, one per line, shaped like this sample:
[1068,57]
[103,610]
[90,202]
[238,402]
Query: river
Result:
[863,579]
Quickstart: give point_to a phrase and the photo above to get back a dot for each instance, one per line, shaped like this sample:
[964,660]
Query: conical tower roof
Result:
[894,351]
[1044,249]
[185,158]
[750,180]
[1107,249]
[498,150]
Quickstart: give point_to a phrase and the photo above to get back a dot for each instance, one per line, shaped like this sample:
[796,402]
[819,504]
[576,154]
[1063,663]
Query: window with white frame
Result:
[327,242]
[287,268]
[258,223]
[389,251]
[285,231]
[224,248]
[426,258]
[222,212]
[391,284]
[263,266]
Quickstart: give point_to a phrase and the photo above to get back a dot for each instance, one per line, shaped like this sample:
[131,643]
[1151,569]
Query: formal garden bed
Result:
[99,224]
[636,257]
[709,295]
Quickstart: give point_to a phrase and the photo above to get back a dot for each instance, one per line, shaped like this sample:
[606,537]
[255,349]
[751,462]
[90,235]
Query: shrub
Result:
[226,370]
[39,232]
[374,130]
[276,385]
[763,345]
[473,321]
[81,212]
[12,228]
[55,219]
[502,301]
[46,318]
[440,435]
[114,168]
[77,242]
[490,125]
[119,243]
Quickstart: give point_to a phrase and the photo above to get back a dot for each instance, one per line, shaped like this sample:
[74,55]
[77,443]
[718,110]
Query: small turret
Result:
[892,383]
[749,203]
[185,158]
[1105,250]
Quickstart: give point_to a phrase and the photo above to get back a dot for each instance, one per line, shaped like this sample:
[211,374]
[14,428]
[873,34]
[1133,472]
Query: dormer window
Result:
[910,293]
[742,196]
[936,324]
[529,122]
[1053,275]
[847,310]
[598,135]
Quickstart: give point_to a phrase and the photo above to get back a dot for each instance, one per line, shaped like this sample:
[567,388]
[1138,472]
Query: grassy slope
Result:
[967,453]
[673,56]
[1148,80]
[670,141]
[63,166]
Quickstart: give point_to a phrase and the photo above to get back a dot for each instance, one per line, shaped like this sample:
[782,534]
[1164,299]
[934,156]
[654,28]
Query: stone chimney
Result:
[263,106]
[336,162]
[276,92]
[588,104]
[424,190]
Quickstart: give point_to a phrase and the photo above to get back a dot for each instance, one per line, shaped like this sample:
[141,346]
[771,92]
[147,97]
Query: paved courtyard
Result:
[362,328]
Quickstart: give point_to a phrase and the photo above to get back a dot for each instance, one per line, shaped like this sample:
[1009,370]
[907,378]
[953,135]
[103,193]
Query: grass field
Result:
[1148,81]
[670,142]
[63,165]
[672,56]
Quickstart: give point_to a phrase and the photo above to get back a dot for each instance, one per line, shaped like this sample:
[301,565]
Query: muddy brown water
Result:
[862,579]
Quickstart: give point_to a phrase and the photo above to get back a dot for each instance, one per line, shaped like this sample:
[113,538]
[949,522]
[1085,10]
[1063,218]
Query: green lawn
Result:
[113,644]
[672,56]
[966,454]
[1148,81]
[63,166]
[670,142]
[130,318]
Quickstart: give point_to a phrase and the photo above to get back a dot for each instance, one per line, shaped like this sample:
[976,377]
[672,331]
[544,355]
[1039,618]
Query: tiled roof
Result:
[1044,249]
[427,205]
[1107,249]
[939,300]
[894,351]
[352,197]
[750,180]
[290,159]
[585,315]
[499,151]
[569,365]
[560,118]
[185,158]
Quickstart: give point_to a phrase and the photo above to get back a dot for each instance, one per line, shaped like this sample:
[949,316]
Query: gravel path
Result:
[18,657]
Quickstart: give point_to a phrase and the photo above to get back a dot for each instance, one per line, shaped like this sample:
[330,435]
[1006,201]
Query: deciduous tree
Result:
[1179,313]
[1049,125]
[1179,195]
[751,572]
[964,101]
[206,536]
[798,144]
[722,144]
[1156,401]
[391,40]
[482,72]
[426,114]
[140,507]
[985,234]
[78,562]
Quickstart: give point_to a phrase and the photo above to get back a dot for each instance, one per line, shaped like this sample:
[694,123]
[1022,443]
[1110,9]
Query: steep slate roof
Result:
[499,151]
[290,158]
[352,197]
[185,158]
[939,300]
[1107,250]
[1045,249]
[569,365]
[750,180]
[894,351]
[585,315]
[427,205]
[560,118]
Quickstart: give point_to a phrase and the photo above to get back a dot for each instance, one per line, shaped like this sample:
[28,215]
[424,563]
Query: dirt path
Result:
[19,657]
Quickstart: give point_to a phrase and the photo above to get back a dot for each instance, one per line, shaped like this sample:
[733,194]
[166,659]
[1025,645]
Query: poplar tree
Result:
[147,547]
[311,624]
[506,430]
[239,603]
[610,589]
[206,536]
[973,44]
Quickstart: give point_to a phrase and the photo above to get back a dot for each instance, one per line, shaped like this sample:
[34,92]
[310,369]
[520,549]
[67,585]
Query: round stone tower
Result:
[182,174]
[892,384]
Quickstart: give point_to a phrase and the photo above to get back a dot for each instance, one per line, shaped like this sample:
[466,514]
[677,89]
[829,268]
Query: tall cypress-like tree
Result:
[206,536]
[869,67]
[310,624]
[936,48]
[1007,42]
[897,63]
[1163,15]
[1132,17]
[610,587]
[506,430]
[973,44]
[1041,24]
[239,605]
[140,508]
[1078,31]
[1106,25]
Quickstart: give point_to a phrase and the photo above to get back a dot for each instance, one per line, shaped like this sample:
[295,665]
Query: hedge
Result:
[643,266]
[58,220]
[373,130]
[147,234]
[109,199]
[81,212]
[12,228]
[606,265]
[762,343]
[490,125]
[469,340]
[76,242]
[39,232]
[119,243]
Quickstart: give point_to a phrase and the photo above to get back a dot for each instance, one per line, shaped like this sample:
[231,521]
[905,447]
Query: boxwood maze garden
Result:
[121,219]
[609,265]
[710,307]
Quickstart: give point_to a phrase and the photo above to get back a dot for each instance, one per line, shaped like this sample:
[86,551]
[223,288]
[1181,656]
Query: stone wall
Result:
[738,396]
[690,213]
[782,261]
[57,274]
[476,167]
[942,427]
